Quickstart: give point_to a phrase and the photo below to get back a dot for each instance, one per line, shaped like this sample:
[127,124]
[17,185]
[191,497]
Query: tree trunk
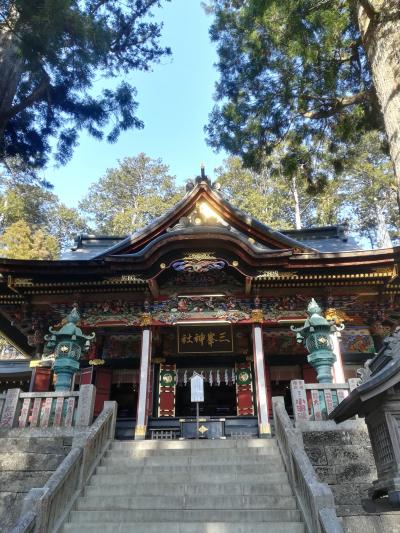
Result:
[297,211]
[382,235]
[11,69]
[379,24]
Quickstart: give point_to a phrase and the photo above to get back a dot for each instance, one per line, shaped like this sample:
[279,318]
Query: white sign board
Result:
[197,388]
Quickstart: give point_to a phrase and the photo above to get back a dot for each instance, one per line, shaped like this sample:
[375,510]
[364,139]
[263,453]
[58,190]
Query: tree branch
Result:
[369,9]
[328,108]
[36,95]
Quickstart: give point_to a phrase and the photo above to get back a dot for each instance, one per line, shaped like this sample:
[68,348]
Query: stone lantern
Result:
[68,343]
[316,334]
[377,399]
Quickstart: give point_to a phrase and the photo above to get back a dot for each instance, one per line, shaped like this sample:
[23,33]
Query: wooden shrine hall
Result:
[204,289]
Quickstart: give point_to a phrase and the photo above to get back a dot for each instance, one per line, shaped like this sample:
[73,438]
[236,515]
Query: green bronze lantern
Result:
[68,344]
[316,335]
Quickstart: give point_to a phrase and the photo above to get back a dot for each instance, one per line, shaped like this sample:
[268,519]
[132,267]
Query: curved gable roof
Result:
[241,224]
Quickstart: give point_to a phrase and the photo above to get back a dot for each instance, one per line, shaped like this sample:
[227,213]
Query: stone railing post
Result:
[10,413]
[113,406]
[299,400]
[84,414]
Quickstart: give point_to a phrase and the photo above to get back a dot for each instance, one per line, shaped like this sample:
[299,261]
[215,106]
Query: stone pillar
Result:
[145,356]
[261,384]
[9,416]
[338,372]
[84,414]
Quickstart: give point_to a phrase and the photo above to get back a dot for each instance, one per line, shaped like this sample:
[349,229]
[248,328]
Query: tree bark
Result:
[379,24]
[11,69]
[382,234]
[297,211]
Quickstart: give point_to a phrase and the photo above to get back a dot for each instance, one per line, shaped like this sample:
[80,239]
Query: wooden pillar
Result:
[144,378]
[261,384]
[338,372]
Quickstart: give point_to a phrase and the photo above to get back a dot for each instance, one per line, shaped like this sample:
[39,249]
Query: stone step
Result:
[199,452]
[188,489]
[140,469]
[113,503]
[192,460]
[193,515]
[194,444]
[187,527]
[110,477]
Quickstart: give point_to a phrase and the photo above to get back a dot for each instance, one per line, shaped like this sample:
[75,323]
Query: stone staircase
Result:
[235,486]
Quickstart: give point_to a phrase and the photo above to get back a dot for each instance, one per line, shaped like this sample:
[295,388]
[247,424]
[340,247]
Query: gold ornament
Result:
[257,315]
[265,429]
[140,431]
[145,320]
[337,316]
[96,362]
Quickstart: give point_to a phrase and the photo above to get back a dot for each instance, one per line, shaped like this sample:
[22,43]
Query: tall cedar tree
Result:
[130,196]
[51,52]
[364,196]
[308,71]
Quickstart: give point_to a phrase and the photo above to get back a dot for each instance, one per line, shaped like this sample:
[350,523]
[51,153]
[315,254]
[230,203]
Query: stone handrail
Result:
[2,402]
[315,401]
[46,509]
[315,499]
[47,409]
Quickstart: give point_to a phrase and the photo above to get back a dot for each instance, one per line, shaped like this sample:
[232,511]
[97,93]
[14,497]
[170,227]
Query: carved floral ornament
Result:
[202,265]
[222,306]
[337,316]
[145,320]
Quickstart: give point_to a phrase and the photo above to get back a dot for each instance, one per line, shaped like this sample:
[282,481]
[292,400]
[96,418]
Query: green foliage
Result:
[40,208]
[51,54]
[130,196]
[20,241]
[293,70]
[266,195]
[365,189]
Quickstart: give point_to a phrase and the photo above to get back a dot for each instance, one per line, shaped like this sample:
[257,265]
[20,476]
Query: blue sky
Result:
[174,98]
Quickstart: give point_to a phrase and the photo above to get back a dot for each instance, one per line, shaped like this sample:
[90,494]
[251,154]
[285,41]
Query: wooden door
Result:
[87,376]
[102,381]
[309,374]
[41,379]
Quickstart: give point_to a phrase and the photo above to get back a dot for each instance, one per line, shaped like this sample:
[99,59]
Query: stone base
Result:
[342,457]
[386,486]
[387,523]
[140,432]
[26,462]
[394,498]
[265,431]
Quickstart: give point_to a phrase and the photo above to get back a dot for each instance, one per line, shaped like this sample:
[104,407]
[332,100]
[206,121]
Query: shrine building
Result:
[203,289]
